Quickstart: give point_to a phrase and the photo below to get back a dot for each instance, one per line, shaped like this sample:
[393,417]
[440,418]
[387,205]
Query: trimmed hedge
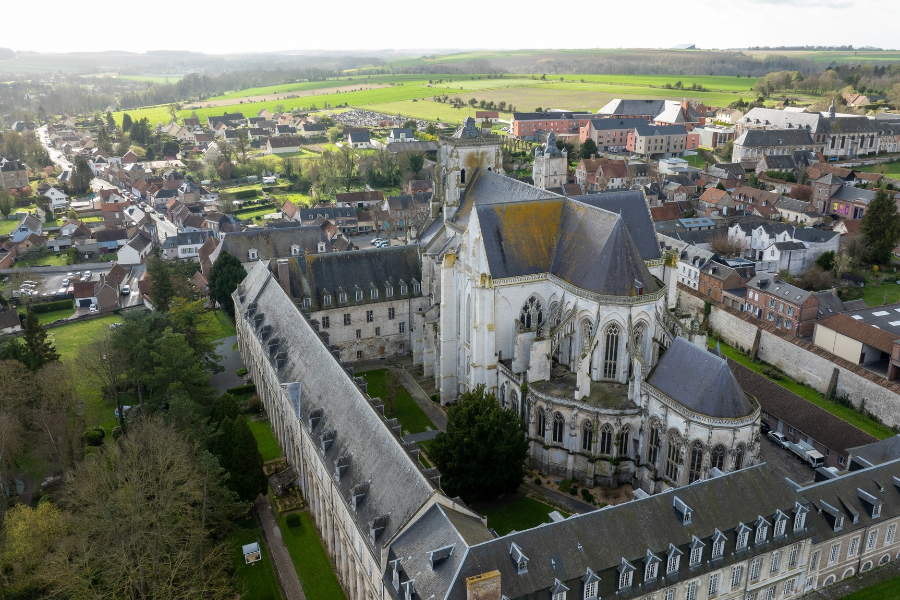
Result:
[250,388]
[53,306]
[242,194]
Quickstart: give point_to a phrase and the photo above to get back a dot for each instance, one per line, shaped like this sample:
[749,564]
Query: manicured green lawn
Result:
[885,590]
[217,325]
[57,260]
[44,318]
[265,440]
[518,515]
[71,340]
[411,417]
[890,170]
[888,290]
[847,414]
[255,581]
[7,225]
[257,210]
[696,160]
[309,558]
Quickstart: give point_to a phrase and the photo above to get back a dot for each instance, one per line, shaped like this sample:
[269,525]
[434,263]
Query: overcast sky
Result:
[229,26]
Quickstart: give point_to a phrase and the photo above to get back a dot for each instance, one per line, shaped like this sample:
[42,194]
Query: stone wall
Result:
[799,359]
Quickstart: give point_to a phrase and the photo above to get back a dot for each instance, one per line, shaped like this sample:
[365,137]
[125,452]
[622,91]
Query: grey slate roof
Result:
[359,137]
[779,162]
[273,242]
[878,452]
[720,395]
[315,275]
[634,210]
[848,193]
[765,138]
[316,380]
[655,130]
[614,124]
[526,231]
[779,289]
[633,107]
[792,204]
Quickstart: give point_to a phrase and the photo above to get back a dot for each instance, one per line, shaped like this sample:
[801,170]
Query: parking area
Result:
[52,285]
[784,461]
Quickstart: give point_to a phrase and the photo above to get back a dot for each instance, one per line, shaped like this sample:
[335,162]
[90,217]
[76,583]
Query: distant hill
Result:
[6,53]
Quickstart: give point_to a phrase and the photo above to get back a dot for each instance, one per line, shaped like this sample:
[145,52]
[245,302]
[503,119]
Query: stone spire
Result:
[831,109]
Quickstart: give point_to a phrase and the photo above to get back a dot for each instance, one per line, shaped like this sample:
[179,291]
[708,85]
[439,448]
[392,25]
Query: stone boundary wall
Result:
[799,359]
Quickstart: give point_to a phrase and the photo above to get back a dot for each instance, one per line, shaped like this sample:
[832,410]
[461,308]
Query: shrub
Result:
[565,486]
[586,495]
[435,397]
[241,372]
[537,479]
[573,490]
[250,388]
[254,404]
[242,194]
[46,307]
[93,436]
[117,432]
[771,373]
[293,520]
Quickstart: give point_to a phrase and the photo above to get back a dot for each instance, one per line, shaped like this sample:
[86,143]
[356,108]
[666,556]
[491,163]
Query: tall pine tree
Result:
[224,277]
[881,227]
[39,349]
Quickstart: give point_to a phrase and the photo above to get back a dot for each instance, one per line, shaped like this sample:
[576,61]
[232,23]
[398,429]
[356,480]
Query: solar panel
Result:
[880,313]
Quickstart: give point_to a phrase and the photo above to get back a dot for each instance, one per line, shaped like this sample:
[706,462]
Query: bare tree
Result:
[107,367]
[391,387]
[58,411]
[725,245]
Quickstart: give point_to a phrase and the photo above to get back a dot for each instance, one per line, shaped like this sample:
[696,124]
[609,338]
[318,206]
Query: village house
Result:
[359,140]
[283,144]
[343,217]
[717,277]
[531,126]
[750,147]
[13,174]
[401,134]
[661,140]
[311,130]
[783,305]
[716,202]
[487,116]
[632,109]
[730,175]
[184,245]
[756,201]
[611,134]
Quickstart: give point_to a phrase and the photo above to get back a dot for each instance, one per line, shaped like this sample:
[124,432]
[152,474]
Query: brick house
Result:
[13,174]
[716,277]
[783,305]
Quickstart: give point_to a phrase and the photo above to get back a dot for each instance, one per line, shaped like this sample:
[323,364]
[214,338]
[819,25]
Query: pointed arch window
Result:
[639,340]
[542,423]
[624,440]
[587,435]
[739,458]
[718,457]
[673,456]
[606,437]
[655,444]
[532,313]
[559,426]
[611,354]
[462,176]
[696,468]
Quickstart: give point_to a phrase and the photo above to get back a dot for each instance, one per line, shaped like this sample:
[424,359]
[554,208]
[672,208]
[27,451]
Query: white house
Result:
[136,250]
[359,139]
[58,198]
[29,224]
[401,134]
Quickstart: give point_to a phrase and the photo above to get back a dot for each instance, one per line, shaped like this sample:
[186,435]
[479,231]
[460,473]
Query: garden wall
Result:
[800,360]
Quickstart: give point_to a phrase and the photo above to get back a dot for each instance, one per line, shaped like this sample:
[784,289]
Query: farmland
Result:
[397,92]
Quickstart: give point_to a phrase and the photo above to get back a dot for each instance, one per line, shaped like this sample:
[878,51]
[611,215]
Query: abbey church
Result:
[557,306]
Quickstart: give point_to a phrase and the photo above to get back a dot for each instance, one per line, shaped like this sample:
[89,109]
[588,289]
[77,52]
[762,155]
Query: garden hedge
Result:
[47,307]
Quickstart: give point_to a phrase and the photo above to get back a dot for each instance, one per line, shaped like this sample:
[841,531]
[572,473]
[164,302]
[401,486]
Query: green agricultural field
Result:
[891,169]
[429,110]
[826,57]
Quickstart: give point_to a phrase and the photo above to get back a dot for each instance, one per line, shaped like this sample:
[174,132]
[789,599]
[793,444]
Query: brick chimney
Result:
[284,276]
[484,587]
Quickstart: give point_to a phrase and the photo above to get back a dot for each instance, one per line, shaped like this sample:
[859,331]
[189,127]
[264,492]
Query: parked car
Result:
[126,290]
[764,428]
[93,308]
[65,282]
[376,241]
[778,438]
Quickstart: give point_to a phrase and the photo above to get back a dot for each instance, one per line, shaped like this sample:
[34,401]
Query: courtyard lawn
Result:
[313,567]
[255,581]
[265,440]
[217,325]
[56,260]
[411,417]
[518,515]
[847,414]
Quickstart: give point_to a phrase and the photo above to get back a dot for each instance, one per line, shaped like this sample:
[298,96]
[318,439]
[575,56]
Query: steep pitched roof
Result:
[715,394]
[273,243]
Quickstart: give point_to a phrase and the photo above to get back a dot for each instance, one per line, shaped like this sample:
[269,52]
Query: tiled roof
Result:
[863,332]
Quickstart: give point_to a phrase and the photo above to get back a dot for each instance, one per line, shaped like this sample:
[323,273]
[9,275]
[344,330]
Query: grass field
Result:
[411,417]
[44,318]
[891,169]
[217,325]
[57,260]
[575,92]
[518,515]
[847,414]
[265,440]
[7,225]
[888,589]
[255,581]
[256,211]
[309,558]
[886,293]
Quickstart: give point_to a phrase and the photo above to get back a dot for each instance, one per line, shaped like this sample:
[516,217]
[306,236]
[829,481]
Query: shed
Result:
[251,553]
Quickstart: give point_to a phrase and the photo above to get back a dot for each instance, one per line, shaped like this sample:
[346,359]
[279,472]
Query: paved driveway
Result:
[784,461]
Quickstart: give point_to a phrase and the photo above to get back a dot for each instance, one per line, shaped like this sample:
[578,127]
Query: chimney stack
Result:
[484,587]
[284,278]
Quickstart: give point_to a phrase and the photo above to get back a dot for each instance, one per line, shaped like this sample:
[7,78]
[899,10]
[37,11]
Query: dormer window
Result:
[762,528]
[252,254]
[307,302]
[872,504]
[295,250]
[591,585]
[683,510]
[743,536]
[651,568]
[674,557]
[342,297]
[326,299]
[403,289]
[558,591]
[781,520]
[696,551]
[321,247]
[718,545]
[373,293]
[626,572]
[799,517]
[388,291]
[518,558]
[359,295]
[416,288]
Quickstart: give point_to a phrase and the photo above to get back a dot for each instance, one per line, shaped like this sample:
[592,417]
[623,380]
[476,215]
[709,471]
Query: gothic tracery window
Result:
[718,457]
[611,354]
[559,426]
[696,473]
[532,313]
[541,423]
[587,435]
[606,437]
[739,458]
[655,444]
[673,456]
[624,440]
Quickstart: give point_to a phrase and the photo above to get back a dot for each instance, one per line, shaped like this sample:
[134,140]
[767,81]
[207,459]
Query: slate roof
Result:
[848,193]
[720,395]
[417,146]
[111,235]
[792,204]
[615,124]
[827,429]
[779,289]
[314,275]
[878,452]
[765,138]
[417,201]
[351,197]
[316,381]
[285,141]
[31,222]
[633,107]
[359,137]
[272,243]
[657,130]
[779,162]
[526,231]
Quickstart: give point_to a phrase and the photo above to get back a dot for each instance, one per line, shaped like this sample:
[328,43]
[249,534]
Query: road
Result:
[55,155]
